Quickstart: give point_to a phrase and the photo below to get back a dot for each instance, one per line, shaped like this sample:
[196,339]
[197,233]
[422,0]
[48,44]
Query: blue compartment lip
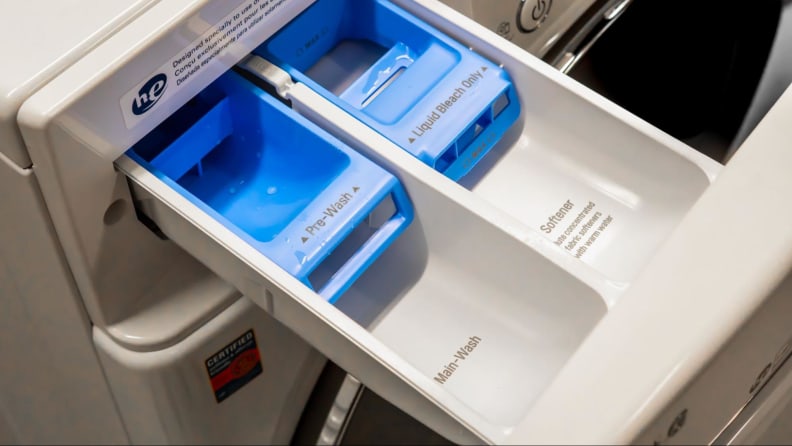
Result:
[359,184]
[429,107]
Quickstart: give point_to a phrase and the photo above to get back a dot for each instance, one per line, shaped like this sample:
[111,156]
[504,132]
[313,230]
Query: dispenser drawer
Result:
[478,292]
[499,277]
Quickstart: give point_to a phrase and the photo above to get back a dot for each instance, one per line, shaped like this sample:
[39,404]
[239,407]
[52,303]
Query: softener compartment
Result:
[425,92]
[279,182]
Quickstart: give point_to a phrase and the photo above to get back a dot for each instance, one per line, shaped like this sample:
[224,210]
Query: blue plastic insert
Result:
[427,93]
[281,183]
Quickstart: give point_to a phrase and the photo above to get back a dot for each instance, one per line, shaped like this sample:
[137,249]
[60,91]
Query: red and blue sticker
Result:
[233,366]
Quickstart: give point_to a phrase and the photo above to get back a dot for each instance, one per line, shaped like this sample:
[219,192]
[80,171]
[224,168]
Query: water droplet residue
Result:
[232,190]
[271,190]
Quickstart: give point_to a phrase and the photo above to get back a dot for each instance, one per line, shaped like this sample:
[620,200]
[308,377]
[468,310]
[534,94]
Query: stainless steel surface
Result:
[767,416]
[588,35]
[615,10]
[337,417]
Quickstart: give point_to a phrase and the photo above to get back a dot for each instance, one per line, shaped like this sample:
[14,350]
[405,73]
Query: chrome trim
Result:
[581,44]
[338,416]
[781,367]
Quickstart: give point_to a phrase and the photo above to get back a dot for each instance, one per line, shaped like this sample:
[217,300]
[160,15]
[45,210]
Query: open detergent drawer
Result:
[471,312]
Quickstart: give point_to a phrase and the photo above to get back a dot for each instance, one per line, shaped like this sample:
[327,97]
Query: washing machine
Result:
[338,222]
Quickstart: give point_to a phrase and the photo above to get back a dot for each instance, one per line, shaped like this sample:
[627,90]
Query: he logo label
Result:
[149,94]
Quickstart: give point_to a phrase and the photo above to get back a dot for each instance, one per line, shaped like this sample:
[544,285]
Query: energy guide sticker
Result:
[233,366]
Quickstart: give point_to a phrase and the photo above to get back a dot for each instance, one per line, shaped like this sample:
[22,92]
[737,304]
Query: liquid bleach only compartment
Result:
[282,184]
[427,93]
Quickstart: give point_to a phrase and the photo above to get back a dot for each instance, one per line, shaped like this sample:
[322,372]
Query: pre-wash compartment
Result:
[430,95]
[281,183]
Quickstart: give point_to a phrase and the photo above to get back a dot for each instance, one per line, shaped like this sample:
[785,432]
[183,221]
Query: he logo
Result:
[149,94]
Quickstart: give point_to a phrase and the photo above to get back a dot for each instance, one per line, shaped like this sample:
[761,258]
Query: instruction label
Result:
[180,69]
[462,354]
[234,365]
[447,104]
[577,226]
[329,213]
